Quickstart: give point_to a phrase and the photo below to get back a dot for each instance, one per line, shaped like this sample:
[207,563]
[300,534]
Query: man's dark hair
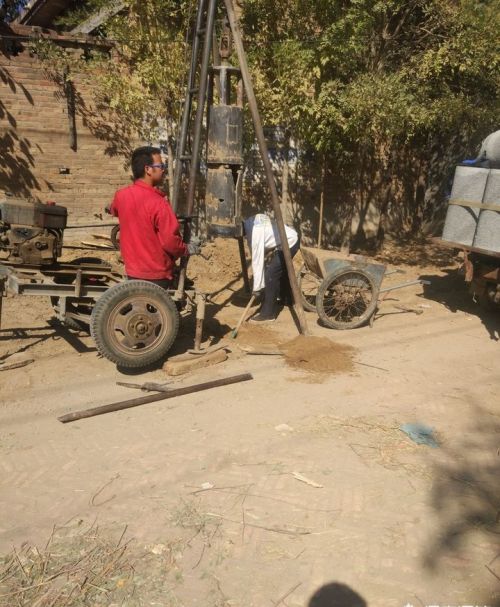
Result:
[141,158]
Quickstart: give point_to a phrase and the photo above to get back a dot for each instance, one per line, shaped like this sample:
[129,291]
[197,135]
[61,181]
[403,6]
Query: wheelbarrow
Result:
[343,289]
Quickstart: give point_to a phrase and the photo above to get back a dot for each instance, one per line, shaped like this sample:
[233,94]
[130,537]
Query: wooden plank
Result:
[448,244]
[98,18]
[146,400]
[183,364]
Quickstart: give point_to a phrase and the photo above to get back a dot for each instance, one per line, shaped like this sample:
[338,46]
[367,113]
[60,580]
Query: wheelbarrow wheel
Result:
[73,305]
[308,286]
[115,237]
[134,324]
[346,299]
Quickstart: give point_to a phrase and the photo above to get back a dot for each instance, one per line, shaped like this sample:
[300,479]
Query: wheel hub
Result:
[140,326]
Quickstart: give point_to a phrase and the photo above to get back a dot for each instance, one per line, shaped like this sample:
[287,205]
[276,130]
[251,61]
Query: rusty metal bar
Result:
[2,294]
[259,132]
[153,398]
[456,245]
[402,285]
[183,136]
[244,267]
[207,31]
[92,225]
[200,109]
[200,318]
[78,283]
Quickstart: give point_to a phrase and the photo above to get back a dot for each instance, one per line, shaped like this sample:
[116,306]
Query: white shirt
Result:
[262,236]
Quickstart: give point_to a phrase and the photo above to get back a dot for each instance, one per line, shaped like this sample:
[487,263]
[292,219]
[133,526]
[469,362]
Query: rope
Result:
[477,205]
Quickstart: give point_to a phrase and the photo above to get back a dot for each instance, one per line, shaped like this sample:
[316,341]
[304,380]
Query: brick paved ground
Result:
[398,523]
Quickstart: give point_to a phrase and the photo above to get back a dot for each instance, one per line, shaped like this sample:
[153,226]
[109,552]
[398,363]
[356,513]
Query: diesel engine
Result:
[32,233]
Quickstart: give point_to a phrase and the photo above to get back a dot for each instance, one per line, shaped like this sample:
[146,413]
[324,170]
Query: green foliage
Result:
[142,81]
[368,85]
[342,73]
[378,87]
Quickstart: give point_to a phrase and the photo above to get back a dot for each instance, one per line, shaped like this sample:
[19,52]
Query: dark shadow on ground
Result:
[336,595]
[466,499]
[451,291]
[415,252]
[213,332]
[234,293]
[29,337]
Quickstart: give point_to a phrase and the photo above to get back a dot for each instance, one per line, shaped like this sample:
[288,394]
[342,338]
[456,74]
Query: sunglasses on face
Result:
[158,165]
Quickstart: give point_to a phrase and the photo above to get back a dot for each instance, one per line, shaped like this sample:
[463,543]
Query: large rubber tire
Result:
[73,323]
[346,299]
[115,237]
[134,324]
[308,286]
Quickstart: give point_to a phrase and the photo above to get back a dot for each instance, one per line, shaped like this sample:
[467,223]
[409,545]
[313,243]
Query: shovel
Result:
[243,317]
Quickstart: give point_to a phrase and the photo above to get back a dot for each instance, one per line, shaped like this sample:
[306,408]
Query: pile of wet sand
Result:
[318,355]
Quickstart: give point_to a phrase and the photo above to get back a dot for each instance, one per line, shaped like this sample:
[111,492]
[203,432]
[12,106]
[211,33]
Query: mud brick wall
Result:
[36,157]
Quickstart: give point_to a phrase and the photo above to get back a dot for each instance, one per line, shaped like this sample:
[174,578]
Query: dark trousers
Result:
[164,283]
[277,283]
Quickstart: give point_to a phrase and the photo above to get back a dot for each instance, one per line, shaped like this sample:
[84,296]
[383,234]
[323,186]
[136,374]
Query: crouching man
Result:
[271,282]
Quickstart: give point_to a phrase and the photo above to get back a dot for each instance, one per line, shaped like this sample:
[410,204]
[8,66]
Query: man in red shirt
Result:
[150,240]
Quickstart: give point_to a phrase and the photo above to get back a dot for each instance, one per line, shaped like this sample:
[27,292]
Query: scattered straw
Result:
[87,570]
[377,442]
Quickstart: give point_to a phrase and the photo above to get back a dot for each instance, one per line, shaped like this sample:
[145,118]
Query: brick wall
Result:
[35,141]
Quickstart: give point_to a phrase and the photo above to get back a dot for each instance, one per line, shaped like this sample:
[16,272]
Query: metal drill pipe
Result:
[259,132]
[181,144]
[198,125]
[200,109]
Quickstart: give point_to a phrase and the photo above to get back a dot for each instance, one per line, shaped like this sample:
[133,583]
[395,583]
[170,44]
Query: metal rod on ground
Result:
[259,132]
[92,225]
[146,400]
[404,284]
[243,316]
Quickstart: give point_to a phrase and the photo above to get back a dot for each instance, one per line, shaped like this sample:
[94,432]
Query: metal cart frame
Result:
[343,289]
[74,289]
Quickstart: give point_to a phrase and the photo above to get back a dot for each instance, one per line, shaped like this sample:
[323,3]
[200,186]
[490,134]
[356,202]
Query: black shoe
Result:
[258,318]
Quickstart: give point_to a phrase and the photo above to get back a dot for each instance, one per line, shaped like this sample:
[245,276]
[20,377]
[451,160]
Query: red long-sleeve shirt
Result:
[150,240]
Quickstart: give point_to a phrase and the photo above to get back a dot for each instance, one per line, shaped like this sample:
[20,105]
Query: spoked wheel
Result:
[115,237]
[346,299]
[73,305]
[134,323]
[308,286]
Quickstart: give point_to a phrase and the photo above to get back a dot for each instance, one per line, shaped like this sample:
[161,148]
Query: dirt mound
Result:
[219,266]
[318,355]
[258,337]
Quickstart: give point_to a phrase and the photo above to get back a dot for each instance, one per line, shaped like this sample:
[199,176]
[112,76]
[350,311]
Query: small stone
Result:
[283,428]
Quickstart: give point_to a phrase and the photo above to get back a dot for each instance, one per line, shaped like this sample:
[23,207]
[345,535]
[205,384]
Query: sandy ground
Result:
[211,485]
